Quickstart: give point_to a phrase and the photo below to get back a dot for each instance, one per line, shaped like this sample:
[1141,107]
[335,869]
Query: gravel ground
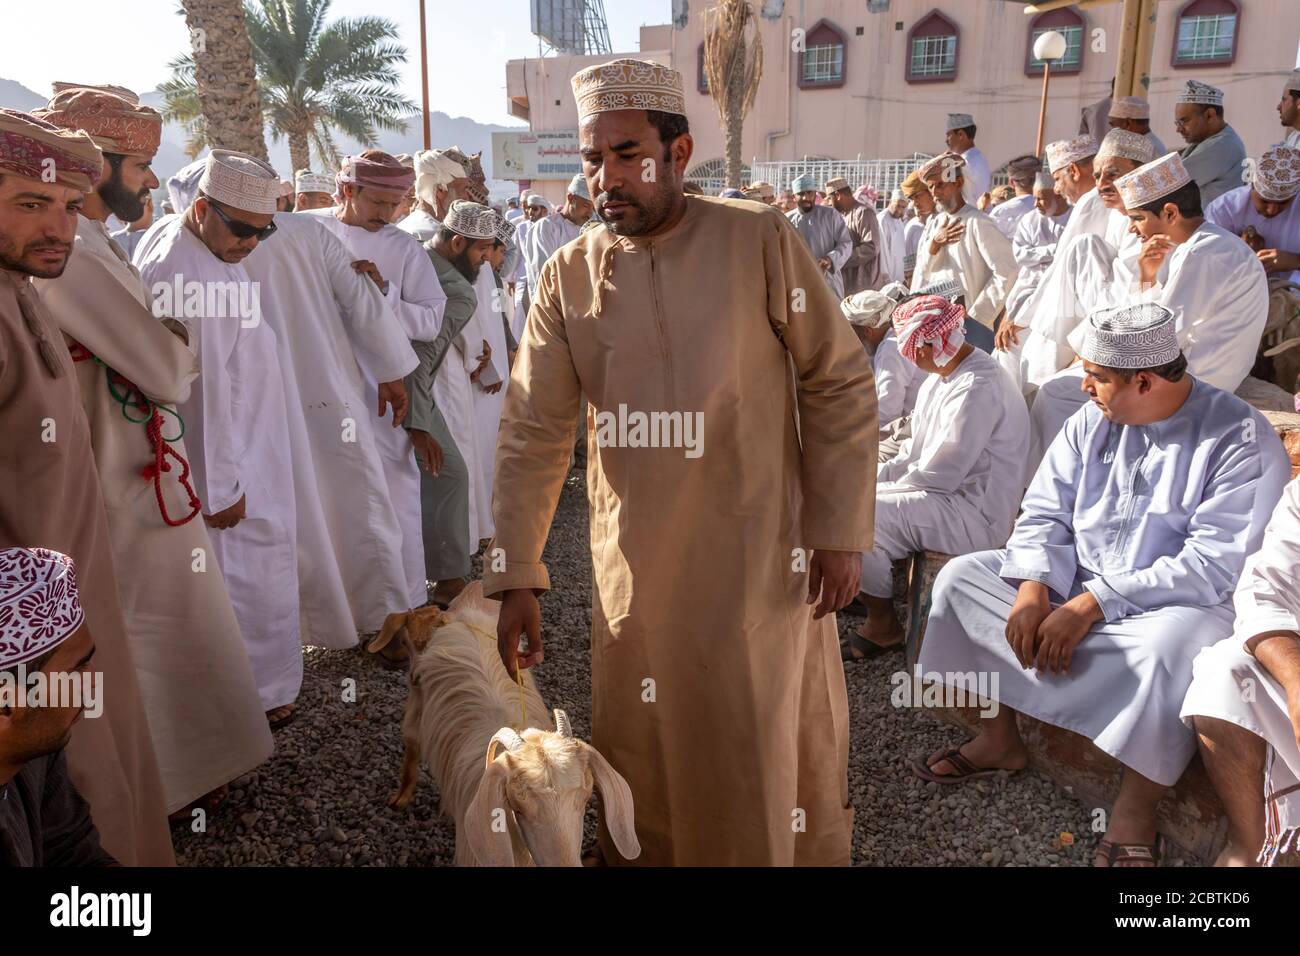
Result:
[321,799]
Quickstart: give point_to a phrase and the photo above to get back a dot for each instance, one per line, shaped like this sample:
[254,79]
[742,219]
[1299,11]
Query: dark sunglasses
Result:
[242,230]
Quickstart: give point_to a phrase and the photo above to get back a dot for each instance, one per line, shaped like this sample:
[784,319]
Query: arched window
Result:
[822,62]
[1070,25]
[1207,33]
[932,49]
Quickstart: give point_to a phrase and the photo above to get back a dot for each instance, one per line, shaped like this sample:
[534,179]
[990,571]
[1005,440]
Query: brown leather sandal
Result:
[1125,855]
[965,769]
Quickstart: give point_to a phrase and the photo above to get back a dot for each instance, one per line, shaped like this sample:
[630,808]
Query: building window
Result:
[702,84]
[932,49]
[1071,26]
[822,61]
[1207,33]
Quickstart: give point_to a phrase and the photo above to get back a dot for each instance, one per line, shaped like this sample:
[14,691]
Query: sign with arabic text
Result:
[536,155]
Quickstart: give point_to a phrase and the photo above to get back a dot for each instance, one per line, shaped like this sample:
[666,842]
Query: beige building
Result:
[869,79]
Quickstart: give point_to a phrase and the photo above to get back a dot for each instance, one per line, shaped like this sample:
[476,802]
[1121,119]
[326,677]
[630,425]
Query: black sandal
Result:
[866,649]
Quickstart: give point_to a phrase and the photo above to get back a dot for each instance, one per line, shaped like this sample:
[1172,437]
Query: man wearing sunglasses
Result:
[236,416]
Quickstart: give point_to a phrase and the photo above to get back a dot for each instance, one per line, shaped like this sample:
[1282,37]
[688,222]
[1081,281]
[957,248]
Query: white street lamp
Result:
[1049,47]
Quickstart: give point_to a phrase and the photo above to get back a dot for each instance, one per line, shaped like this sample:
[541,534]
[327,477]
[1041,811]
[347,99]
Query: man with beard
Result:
[241,454]
[823,230]
[194,674]
[47,466]
[862,270]
[442,401]
[719,560]
[371,186]
[313,191]
[1214,154]
[915,229]
[1288,109]
[967,247]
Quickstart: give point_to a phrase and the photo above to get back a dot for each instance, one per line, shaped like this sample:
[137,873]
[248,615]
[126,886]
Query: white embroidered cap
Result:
[1153,181]
[471,220]
[1203,93]
[1277,175]
[1126,145]
[305,181]
[1131,337]
[1130,107]
[960,120]
[1063,152]
[628,84]
[578,187]
[240,181]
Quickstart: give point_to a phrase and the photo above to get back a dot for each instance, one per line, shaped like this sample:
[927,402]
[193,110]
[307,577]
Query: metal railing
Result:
[884,174]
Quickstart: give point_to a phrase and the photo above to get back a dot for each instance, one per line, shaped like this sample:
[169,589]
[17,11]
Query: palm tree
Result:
[733,65]
[223,100]
[315,79]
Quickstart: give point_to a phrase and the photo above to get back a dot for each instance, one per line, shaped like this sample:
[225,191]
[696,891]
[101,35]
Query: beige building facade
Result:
[874,79]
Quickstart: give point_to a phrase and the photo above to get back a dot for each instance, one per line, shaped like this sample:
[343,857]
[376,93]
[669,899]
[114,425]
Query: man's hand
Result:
[367,268]
[1154,251]
[427,452]
[834,575]
[1007,336]
[1276,260]
[1030,610]
[950,232]
[493,389]
[228,518]
[521,615]
[393,394]
[1062,631]
[1279,653]
[483,359]
[825,263]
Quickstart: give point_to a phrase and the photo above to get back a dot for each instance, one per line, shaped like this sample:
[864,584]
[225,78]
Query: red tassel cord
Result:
[129,397]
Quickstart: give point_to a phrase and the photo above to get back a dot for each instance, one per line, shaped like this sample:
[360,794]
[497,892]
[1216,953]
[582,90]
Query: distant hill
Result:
[469,135]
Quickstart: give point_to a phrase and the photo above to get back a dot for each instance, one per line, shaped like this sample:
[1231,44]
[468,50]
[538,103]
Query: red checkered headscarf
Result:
[930,320]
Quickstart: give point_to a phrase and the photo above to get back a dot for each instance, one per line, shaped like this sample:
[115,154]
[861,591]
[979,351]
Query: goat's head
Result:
[541,782]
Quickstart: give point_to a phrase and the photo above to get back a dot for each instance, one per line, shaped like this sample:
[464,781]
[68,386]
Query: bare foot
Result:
[884,631]
[278,715]
[984,752]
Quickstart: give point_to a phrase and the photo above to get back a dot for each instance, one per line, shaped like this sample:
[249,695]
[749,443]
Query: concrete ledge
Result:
[1190,816]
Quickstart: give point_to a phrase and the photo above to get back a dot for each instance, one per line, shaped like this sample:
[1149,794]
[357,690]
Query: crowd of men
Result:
[281,411]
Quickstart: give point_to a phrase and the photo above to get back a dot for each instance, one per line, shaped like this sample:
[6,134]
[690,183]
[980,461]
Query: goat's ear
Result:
[488,844]
[394,625]
[616,801]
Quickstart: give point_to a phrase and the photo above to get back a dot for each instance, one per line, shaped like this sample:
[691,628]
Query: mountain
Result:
[469,135]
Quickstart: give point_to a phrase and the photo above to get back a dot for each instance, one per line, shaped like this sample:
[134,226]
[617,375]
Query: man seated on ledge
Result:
[1131,538]
[1244,701]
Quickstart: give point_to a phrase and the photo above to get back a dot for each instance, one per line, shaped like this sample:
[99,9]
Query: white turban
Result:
[434,171]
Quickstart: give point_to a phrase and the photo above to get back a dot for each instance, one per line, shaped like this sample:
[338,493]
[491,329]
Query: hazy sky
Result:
[130,43]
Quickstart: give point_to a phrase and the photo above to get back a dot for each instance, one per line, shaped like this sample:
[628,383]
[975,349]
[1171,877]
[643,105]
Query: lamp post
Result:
[424,78]
[1049,47]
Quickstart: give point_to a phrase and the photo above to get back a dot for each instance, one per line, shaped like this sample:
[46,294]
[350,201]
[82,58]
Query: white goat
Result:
[525,804]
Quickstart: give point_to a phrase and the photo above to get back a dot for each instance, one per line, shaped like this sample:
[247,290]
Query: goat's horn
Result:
[562,723]
[508,739]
